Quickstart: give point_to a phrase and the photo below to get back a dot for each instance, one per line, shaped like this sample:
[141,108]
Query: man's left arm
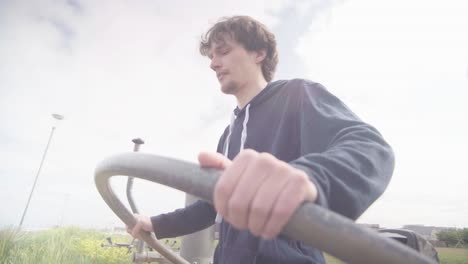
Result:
[356,163]
[345,165]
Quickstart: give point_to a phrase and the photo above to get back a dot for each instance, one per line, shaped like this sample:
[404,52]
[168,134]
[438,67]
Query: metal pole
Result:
[197,247]
[312,224]
[37,175]
[141,244]
[138,142]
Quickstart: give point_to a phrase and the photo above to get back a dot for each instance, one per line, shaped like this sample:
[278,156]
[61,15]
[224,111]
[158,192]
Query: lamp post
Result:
[57,117]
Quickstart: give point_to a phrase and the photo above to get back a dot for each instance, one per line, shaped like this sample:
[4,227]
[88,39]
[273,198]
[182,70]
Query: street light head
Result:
[57,116]
[138,141]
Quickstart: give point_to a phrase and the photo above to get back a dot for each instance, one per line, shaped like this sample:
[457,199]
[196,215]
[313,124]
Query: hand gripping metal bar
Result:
[312,224]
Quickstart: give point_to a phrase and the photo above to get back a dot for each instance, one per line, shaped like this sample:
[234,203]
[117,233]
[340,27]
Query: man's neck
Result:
[249,91]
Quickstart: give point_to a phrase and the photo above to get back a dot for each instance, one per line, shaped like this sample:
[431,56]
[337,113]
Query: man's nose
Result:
[215,64]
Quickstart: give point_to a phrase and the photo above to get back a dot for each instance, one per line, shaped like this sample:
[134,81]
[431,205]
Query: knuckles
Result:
[281,212]
[222,188]
[254,214]
[265,160]
[247,154]
[237,206]
[258,211]
[299,178]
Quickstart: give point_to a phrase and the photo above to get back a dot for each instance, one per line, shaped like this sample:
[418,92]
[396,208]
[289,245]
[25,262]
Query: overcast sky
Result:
[123,69]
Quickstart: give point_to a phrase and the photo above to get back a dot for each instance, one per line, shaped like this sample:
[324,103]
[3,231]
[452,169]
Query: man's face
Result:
[235,67]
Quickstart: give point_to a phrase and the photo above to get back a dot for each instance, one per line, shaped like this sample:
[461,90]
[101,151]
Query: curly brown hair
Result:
[251,34]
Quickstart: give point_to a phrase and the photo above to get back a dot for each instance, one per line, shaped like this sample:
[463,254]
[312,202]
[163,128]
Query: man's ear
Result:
[260,55]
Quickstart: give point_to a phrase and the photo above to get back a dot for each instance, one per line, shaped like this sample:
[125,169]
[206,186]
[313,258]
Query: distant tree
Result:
[453,237]
[465,235]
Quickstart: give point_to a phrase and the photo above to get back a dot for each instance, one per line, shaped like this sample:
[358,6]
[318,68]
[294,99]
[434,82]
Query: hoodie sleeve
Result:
[190,219]
[354,164]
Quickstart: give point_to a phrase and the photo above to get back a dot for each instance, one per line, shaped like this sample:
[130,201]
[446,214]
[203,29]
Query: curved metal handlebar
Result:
[310,223]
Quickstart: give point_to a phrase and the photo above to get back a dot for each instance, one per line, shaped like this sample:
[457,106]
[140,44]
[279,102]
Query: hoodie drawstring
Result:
[244,128]
[228,138]
[244,131]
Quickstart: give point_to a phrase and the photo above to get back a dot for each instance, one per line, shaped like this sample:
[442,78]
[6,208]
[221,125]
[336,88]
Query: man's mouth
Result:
[221,75]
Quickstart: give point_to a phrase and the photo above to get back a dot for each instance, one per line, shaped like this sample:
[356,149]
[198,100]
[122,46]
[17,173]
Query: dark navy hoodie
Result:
[300,122]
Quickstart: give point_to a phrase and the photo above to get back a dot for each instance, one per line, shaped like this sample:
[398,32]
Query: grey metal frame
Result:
[312,224]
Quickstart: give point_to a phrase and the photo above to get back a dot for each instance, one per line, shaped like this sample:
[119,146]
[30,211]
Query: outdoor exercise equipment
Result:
[312,224]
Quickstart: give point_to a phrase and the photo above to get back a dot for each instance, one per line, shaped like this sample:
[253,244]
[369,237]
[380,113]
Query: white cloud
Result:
[401,66]
[131,69]
[115,71]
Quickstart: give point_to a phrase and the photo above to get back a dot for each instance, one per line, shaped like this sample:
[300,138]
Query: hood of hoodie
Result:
[262,96]
[258,99]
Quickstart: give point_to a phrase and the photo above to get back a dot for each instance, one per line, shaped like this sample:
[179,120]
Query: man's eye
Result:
[224,52]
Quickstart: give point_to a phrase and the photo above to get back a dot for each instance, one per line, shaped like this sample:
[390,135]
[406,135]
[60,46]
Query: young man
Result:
[288,142]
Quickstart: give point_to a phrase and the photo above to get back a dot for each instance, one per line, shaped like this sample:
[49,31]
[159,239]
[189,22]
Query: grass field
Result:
[61,245]
[453,255]
[79,246]
[332,260]
[446,256]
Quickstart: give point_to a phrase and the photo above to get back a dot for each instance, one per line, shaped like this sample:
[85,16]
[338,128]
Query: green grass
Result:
[332,260]
[446,256]
[453,255]
[65,245]
[8,241]
[61,245]
[79,246]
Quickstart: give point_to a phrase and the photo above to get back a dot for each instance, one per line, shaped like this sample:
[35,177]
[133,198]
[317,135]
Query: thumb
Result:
[213,160]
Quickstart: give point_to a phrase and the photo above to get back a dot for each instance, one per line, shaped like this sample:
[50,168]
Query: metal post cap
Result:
[138,141]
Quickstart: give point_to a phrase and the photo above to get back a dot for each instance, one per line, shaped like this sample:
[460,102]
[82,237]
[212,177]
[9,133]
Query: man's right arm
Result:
[184,221]
[190,219]
[194,217]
